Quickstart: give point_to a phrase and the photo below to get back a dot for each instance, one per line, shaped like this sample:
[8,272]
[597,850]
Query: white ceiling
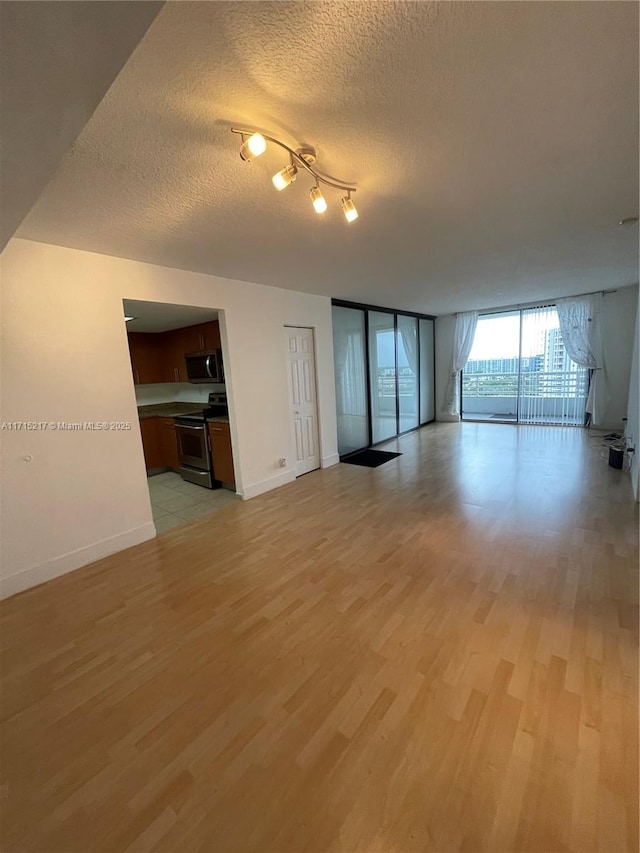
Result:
[494,146]
[57,60]
[162,316]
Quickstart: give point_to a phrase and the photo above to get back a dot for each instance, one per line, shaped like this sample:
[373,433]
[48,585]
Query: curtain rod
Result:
[539,303]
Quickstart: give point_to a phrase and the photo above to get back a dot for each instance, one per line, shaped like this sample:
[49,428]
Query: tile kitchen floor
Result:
[175,502]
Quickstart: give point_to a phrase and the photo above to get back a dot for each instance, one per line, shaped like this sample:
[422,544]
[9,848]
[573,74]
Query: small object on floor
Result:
[616,456]
[612,436]
[371,458]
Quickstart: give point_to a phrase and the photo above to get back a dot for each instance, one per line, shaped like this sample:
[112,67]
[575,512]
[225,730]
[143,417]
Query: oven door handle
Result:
[187,426]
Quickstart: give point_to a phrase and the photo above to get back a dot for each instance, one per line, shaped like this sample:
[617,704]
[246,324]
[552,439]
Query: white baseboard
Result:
[44,572]
[280,479]
[332,459]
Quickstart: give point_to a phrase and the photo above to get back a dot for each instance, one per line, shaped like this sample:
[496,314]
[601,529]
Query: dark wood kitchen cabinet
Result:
[147,360]
[159,443]
[220,436]
[210,335]
[173,348]
[204,336]
[151,443]
[168,443]
[160,356]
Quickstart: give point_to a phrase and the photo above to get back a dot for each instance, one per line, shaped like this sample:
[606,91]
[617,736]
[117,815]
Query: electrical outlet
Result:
[282,462]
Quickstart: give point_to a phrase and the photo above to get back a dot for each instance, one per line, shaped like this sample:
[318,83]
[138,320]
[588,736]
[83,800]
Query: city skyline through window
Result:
[498,335]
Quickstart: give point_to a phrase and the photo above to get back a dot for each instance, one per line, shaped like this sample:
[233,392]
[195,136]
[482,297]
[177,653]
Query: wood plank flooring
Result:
[439,654]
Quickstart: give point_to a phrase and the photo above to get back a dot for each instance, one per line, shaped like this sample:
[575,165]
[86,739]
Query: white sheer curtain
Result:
[462,342]
[410,341]
[580,329]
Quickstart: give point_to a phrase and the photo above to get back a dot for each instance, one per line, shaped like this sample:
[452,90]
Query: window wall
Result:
[519,371]
[384,372]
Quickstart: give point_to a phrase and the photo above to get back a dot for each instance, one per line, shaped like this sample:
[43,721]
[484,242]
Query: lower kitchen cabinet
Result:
[159,443]
[221,452]
[151,443]
[168,443]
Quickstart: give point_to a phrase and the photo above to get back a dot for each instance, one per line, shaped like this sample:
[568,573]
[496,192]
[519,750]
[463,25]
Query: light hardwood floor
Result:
[436,655]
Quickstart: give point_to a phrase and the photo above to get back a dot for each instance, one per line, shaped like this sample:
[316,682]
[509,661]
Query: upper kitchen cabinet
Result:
[174,346]
[210,335]
[147,360]
[160,356]
[204,336]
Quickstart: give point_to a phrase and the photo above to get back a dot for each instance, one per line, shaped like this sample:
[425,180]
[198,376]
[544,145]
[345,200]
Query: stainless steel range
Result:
[194,447]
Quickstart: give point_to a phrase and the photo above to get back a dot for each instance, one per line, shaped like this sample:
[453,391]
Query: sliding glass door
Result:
[490,377]
[384,374]
[349,343]
[407,342]
[427,384]
[553,389]
[383,377]
[519,372]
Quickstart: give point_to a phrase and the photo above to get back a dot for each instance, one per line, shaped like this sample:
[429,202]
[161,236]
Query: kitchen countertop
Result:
[169,410]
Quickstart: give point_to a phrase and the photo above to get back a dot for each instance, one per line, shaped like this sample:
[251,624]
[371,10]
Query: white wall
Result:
[617,318]
[617,321]
[84,495]
[633,411]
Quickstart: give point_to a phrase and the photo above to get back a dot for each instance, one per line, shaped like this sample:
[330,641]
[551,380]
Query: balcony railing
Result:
[407,385]
[534,384]
[537,397]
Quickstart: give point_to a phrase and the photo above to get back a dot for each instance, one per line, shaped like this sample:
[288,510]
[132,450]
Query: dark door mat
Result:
[370,458]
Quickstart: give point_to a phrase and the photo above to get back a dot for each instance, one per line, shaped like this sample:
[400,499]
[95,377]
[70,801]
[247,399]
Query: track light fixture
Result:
[349,208]
[318,200]
[284,177]
[254,144]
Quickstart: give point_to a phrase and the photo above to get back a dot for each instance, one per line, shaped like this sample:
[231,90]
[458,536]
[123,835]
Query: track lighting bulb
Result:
[318,200]
[349,209]
[252,147]
[284,177]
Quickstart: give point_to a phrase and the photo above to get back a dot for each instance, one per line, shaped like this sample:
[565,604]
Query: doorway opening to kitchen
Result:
[177,368]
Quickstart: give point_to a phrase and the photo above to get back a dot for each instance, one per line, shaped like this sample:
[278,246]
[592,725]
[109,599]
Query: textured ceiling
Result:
[494,146]
[57,60]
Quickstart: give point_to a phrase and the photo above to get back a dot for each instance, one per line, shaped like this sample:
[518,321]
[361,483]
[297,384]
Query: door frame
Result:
[365,307]
[291,454]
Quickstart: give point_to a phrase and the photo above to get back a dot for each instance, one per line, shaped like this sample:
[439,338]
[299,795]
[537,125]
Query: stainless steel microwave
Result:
[205,366]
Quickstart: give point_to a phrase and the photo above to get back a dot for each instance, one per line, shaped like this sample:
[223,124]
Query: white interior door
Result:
[302,398]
